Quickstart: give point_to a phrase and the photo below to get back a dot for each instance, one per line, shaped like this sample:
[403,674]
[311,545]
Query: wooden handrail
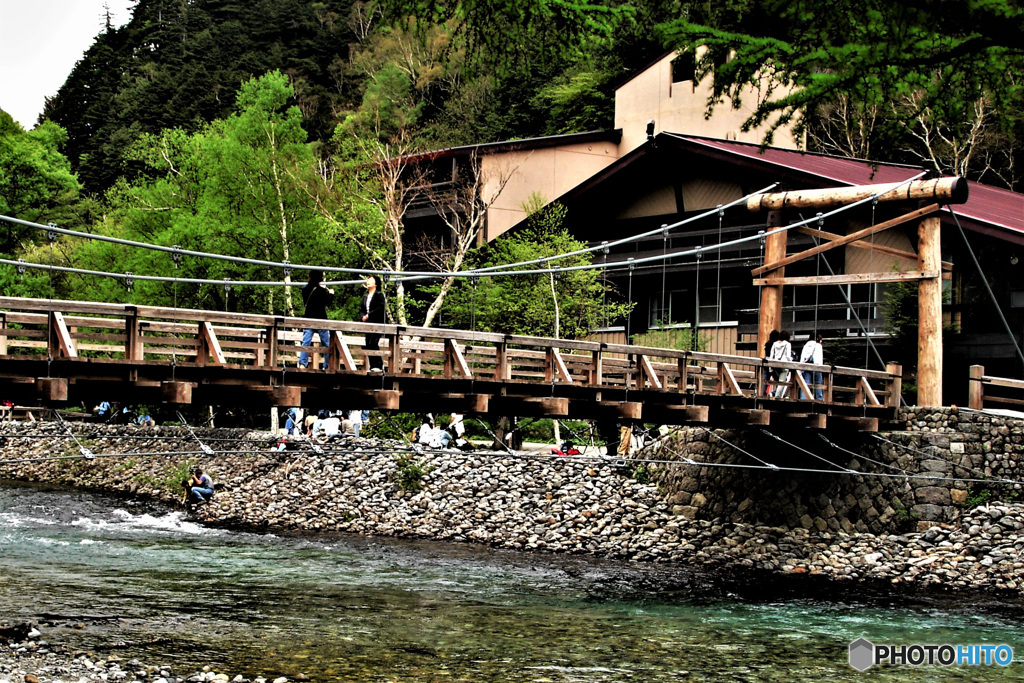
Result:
[149,334]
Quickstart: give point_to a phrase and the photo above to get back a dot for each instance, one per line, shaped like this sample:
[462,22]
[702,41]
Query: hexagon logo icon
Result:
[862,654]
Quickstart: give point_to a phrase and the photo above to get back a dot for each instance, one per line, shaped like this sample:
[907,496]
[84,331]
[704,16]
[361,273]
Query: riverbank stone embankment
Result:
[547,504]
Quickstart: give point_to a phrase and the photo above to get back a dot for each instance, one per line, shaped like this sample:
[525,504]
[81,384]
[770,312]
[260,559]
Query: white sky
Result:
[40,43]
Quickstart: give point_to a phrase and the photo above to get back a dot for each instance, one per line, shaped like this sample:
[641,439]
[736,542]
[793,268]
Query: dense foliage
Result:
[270,130]
[933,81]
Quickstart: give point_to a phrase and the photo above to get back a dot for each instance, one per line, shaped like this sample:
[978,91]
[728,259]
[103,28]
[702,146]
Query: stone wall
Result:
[725,519]
[945,462]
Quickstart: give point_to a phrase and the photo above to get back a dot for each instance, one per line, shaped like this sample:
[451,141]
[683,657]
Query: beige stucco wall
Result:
[549,172]
[679,108]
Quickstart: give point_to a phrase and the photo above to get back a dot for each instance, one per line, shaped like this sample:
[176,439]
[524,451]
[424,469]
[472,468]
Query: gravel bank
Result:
[556,505]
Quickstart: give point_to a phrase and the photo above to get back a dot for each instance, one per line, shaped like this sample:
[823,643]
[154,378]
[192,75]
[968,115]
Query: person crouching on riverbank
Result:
[199,486]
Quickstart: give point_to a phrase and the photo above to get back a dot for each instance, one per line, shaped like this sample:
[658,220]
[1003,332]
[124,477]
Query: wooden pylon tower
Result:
[929,196]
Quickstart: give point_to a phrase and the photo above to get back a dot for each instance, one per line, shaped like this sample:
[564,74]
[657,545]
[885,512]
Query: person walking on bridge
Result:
[316,298]
[782,350]
[813,353]
[373,310]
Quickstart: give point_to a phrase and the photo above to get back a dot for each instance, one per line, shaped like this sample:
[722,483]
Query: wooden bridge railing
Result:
[986,389]
[147,334]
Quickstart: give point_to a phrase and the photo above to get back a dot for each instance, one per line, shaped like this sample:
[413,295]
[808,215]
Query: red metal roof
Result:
[990,209]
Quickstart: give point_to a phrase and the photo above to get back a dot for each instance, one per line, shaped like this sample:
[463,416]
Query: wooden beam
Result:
[852,237]
[272,338]
[3,333]
[209,345]
[60,343]
[647,371]
[868,246]
[52,388]
[929,316]
[559,365]
[384,399]
[744,416]
[395,361]
[501,365]
[606,410]
[855,278]
[865,394]
[176,392]
[668,414]
[801,385]
[338,354]
[596,368]
[848,422]
[132,337]
[802,420]
[454,360]
[286,395]
[939,190]
[894,386]
[727,378]
[769,316]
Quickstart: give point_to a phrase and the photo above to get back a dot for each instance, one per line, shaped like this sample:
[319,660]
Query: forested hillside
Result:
[276,129]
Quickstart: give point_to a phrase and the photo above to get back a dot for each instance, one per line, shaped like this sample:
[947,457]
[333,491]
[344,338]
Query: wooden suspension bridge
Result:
[56,352]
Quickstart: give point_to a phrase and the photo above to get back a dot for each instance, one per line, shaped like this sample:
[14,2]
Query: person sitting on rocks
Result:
[329,426]
[429,435]
[199,485]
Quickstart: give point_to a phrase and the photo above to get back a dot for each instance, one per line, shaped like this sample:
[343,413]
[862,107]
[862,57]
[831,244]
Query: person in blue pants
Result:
[316,298]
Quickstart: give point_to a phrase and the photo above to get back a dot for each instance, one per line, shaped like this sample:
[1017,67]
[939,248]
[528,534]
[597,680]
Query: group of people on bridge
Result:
[780,348]
[317,298]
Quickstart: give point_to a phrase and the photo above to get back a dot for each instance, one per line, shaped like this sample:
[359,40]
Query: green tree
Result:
[238,188]
[920,66]
[567,305]
[179,64]
[36,182]
[559,27]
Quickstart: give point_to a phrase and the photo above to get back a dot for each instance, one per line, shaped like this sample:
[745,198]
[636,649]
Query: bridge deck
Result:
[58,351]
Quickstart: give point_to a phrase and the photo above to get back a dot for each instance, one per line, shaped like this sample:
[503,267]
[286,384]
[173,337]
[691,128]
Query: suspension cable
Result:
[804,450]
[419,275]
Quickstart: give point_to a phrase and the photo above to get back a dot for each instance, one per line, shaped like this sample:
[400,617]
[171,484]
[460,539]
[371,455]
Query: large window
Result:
[682,306]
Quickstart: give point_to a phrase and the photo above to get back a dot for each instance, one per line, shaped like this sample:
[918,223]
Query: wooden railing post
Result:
[132,334]
[976,389]
[273,338]
[449,361]
[596,368]
[895,388]
[501,365]
[3,333]
[395,361]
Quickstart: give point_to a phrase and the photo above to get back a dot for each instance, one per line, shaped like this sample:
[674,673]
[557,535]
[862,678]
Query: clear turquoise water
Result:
[350,608]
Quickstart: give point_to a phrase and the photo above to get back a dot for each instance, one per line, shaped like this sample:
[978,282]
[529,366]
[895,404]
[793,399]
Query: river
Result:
[139,580]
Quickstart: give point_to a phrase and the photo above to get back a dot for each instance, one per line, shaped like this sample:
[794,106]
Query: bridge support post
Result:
[929,327]
[770,315]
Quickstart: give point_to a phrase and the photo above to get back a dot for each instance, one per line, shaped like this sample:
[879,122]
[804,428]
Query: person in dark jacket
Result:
[316,298]
[373,311]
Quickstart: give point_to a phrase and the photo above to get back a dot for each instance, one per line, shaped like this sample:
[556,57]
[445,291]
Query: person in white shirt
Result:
[782,350]
[813,352]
